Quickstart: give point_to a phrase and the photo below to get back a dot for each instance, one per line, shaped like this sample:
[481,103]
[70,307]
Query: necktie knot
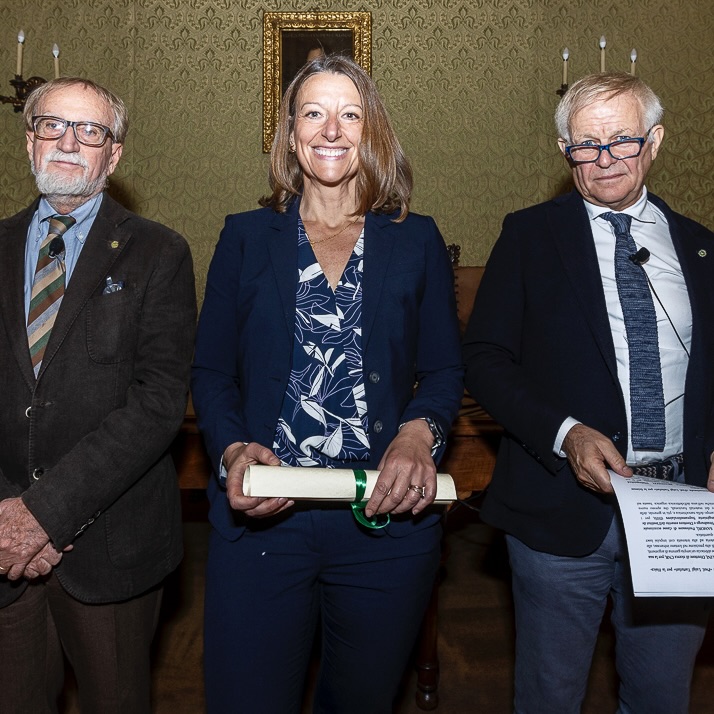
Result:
[621,222]
[60,224]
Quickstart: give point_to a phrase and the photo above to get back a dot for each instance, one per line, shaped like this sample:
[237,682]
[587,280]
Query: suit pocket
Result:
[112,324]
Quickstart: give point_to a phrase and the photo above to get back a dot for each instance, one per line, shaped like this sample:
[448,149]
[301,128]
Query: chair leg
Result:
[427,663]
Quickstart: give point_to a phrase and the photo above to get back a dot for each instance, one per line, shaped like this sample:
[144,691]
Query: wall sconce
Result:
[23,87]
[602,44]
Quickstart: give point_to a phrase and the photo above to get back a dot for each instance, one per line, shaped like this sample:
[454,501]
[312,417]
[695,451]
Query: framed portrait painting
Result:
[292,38]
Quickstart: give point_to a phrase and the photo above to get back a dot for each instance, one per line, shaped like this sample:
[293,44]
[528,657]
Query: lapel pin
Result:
[114,244]
[702,253]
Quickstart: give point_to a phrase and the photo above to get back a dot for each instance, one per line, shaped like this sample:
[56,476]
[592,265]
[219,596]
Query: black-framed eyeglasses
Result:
[86,132]
[620,149]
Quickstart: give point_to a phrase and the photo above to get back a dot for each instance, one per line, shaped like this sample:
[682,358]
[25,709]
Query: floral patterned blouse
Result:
[323,421]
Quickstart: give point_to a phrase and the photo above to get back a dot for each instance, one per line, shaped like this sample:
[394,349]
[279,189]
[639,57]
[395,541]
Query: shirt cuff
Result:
[223,472]
[565,427]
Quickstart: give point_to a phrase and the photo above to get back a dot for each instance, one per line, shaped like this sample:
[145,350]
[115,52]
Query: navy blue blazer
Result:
[538,349]
[245,335]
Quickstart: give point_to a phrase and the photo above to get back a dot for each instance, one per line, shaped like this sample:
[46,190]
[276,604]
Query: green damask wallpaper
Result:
[470,85]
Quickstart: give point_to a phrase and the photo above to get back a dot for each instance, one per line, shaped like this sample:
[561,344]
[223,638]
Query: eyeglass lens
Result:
[85,132]
[625,149]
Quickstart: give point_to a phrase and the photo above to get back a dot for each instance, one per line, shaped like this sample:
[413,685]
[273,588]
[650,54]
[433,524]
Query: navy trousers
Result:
[267,591]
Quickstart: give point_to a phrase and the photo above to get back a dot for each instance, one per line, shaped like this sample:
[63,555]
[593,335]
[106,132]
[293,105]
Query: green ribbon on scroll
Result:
[358,503]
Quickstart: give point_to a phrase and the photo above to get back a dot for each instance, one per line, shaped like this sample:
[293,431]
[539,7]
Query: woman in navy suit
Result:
[322,312]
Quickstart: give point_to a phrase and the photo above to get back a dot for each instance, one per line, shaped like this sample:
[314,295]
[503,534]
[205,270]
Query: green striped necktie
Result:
[47,289]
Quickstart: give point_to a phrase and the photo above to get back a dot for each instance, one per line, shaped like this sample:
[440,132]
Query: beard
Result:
[54,184]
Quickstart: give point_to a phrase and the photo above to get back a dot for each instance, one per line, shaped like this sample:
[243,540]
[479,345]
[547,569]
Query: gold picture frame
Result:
[288,37]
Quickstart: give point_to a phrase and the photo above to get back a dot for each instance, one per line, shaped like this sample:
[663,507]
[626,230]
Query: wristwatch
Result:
[436,432]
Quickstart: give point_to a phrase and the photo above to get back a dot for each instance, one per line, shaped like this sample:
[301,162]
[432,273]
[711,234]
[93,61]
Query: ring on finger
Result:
[417,489]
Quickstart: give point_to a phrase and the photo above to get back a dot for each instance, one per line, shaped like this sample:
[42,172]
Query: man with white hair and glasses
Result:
[591,342]
[97,314]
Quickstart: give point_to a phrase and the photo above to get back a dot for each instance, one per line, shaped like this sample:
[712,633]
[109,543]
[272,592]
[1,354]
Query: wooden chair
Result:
[469,458]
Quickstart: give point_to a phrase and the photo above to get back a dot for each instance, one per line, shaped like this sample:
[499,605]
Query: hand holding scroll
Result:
[235,459]
[406,468]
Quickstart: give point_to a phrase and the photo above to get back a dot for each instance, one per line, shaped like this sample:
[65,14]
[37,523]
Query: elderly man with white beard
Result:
[97,313]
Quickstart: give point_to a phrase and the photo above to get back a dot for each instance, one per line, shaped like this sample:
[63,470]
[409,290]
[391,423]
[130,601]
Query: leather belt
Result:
[668,469]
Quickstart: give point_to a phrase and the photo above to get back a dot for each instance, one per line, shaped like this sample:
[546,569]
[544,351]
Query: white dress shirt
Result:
[649,230]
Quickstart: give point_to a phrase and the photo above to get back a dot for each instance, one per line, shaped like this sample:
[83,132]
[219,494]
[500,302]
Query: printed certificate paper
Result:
[670,536]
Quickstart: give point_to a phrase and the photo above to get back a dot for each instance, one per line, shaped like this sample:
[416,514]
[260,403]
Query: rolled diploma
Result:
[313,484]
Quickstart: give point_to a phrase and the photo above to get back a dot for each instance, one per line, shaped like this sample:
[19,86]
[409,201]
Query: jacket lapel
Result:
[379,236]
[696,259]
[570,228]
[13,237]
[282,247]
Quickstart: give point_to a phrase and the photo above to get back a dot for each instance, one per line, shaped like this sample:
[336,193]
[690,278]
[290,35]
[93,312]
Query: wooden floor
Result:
[475,636]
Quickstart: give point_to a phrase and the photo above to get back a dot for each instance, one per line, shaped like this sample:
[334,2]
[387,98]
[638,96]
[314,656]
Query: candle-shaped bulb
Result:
[566,54]
[55,53]
[633,55]
[18,64]
[602,53]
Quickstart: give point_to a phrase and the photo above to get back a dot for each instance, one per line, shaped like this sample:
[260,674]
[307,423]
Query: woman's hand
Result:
[407,471]
[236,458]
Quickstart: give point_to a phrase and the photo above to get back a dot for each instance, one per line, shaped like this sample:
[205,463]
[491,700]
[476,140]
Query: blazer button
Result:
[617,436]
[377,426]
[373,377]
[28,411]
[36,473]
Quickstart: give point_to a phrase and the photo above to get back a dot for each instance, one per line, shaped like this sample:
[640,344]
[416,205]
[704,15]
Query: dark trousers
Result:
[107,646]
[266,592]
